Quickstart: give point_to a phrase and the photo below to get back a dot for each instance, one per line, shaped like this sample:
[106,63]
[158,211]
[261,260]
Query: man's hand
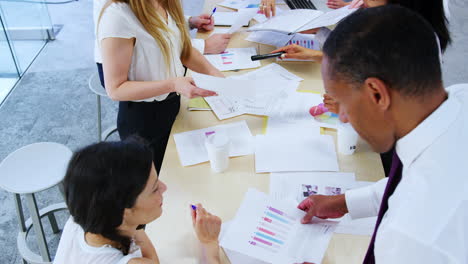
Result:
[202,22]
[216,43]
[323,206]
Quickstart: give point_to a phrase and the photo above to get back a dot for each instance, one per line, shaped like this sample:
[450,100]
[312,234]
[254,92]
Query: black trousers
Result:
[150,120]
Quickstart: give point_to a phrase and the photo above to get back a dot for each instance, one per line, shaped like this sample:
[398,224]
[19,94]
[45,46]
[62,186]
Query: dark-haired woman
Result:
[111,189]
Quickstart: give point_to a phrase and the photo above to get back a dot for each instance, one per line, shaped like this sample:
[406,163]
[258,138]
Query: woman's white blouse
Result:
[148,63]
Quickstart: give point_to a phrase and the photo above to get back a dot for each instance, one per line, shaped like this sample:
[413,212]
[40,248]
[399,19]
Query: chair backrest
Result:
[94,84]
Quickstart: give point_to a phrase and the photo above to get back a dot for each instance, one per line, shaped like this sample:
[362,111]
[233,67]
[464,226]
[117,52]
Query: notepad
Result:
[297,20]
[198,104]
[270,230]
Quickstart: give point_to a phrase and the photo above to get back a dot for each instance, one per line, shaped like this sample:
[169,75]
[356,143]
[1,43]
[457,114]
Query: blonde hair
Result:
[153,23]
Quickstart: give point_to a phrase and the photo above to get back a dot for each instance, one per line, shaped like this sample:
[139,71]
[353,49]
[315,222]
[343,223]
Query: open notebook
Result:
[297,20]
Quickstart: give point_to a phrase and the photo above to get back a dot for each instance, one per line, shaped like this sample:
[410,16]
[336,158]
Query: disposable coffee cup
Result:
[217,146]
[347,139]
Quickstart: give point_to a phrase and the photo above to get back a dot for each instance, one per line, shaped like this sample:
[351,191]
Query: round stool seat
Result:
[34,168]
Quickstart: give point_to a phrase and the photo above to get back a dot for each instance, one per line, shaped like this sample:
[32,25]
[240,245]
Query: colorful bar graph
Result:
[272,239]
[271,233]
[279,218]
[262,241]
[278,229]
[226,57]
[279,212]
[272,249]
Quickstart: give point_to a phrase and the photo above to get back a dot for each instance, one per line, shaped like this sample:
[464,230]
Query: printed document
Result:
[191,145]
[270,230]
[298,186]
[234,59]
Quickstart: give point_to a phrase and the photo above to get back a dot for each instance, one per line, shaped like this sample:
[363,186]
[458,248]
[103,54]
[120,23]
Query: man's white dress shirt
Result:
[427,216]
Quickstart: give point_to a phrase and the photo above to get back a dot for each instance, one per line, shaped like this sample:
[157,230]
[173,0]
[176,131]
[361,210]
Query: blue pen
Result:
[212,13]
[193,207]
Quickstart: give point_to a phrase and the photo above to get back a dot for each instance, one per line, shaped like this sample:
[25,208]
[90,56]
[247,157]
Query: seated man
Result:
[391,91]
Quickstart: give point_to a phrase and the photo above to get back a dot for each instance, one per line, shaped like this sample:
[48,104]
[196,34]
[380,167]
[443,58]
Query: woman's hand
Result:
[216,43]
[206,225]
[268,7]
[202,22]
[331,104]
[300,53]
[186,87]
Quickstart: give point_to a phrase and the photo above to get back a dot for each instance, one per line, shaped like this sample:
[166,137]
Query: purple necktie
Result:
[394,178]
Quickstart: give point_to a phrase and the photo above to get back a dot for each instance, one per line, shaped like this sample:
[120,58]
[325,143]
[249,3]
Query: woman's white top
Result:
[73,249]
[148,64]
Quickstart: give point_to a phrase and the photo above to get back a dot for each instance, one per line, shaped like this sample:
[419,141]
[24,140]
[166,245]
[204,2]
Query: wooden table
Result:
[173,235]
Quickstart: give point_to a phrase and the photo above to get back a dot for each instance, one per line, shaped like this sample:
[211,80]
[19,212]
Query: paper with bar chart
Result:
[270,230]
[234,59]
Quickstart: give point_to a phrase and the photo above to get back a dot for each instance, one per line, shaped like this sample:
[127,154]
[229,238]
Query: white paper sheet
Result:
[245,15]
[288,21]
[262,18]
[234,256]
[191,145]
[289,152]
[234,59]
[298,185]
[328,18]
[238,4]
[260,92]
[272,70]
[225,107]
[271,38]
[270,230]
[296,110]
[225,86]
[220,30]
[227,18]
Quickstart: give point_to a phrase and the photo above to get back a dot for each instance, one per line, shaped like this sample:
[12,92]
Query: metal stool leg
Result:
[19,211]
[37,225]
[98,98]
[53,223]
[62,191]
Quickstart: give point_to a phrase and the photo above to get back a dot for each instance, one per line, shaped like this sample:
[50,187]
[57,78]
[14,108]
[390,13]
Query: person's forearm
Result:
[198,63]
[139,90]
[211,253]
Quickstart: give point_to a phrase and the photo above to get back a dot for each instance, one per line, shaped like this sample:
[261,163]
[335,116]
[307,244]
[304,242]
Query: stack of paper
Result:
[191,145]
[260,92]
[282,152]
[300,185]
[234,59]
[297,20]
[270,230]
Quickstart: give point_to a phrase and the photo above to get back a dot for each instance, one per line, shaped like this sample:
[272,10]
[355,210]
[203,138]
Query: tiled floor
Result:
[52,101]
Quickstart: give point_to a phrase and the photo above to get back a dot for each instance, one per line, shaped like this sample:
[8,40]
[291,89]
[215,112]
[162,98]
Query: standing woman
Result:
[145,45]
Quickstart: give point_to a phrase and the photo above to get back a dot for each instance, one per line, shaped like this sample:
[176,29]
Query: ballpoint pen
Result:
[212,13]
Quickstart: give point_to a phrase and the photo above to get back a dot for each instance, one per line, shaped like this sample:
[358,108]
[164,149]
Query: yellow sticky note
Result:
[198,103]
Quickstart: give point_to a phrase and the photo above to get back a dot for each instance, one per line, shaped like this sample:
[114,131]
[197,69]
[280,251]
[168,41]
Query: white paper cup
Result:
[217,146]
[347,139]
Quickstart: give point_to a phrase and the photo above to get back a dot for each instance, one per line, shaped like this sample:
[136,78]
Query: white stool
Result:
[29,170]
[95,86]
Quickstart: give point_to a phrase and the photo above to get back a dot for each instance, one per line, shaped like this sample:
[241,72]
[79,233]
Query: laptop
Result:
[308,4]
